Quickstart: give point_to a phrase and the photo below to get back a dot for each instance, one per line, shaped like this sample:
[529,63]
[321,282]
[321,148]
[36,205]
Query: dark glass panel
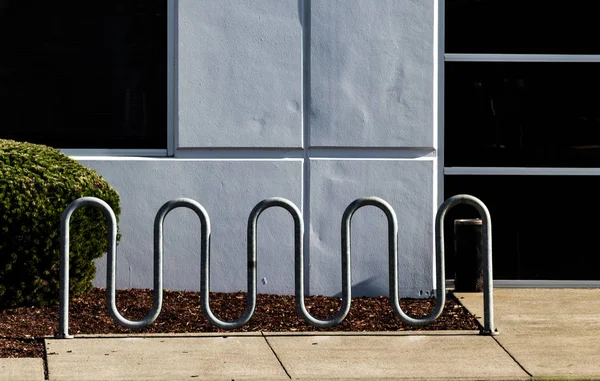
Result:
[541,224]
[522,26]
[84,74]
[522,114]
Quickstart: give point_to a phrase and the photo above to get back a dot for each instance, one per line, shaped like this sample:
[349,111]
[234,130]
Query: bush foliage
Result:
[36,185]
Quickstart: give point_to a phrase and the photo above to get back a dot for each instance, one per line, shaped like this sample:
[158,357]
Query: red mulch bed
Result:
[22,329]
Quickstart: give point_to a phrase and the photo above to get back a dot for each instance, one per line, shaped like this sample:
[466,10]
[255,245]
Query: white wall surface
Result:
[320,102]
[406,185]
[239,73]
[228,190]
[372,73]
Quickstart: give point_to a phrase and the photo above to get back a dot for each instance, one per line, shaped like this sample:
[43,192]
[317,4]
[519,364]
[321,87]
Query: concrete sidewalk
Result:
[551,333]
[21,369]
[544,334]
[441,355]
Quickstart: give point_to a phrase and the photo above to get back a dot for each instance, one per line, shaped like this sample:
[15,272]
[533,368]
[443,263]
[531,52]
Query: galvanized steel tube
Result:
[488,275]
[205,232]
[63,330]
[251,241]
[393,258]
[205,281]
[346,289]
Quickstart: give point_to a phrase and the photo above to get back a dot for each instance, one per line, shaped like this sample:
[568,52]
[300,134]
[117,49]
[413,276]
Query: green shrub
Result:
[36,185]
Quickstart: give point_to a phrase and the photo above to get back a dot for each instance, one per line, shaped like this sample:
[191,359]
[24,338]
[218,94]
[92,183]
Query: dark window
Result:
[526,114]
[541,224]
[522,26]
[84,74]
[522,114]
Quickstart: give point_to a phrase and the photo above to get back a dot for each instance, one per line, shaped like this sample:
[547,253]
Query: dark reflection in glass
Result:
[541,225]
[522,26]
[84,74]
[522,114]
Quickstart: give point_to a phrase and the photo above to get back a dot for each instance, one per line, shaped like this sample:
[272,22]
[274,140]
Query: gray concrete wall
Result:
[245,130]
[372,73]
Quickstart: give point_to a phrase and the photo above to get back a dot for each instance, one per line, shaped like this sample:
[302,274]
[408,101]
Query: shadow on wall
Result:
[367,287]
[363,288]
[301,10]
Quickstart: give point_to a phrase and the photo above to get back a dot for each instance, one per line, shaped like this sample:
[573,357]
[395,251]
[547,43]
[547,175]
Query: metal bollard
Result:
[468,252]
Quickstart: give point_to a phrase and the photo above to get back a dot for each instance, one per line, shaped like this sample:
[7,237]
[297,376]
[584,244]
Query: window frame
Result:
[525,58]
[170,104]
[444,57]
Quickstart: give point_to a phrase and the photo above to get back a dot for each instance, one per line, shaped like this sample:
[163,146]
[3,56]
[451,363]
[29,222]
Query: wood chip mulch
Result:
[22,329]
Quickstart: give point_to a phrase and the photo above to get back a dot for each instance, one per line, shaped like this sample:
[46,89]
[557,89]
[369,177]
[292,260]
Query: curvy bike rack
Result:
[205,232]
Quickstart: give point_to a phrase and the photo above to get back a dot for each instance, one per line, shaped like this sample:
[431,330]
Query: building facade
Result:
[229,102]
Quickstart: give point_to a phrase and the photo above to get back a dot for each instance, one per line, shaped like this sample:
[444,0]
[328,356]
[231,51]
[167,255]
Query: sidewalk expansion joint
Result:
[511,356]
[275,353]
[45,362]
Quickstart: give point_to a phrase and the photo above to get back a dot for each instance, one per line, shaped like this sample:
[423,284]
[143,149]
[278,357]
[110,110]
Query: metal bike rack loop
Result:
[251,258]
[393,259]
[252,270]
[111,259]
[488,280]
[63,326]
